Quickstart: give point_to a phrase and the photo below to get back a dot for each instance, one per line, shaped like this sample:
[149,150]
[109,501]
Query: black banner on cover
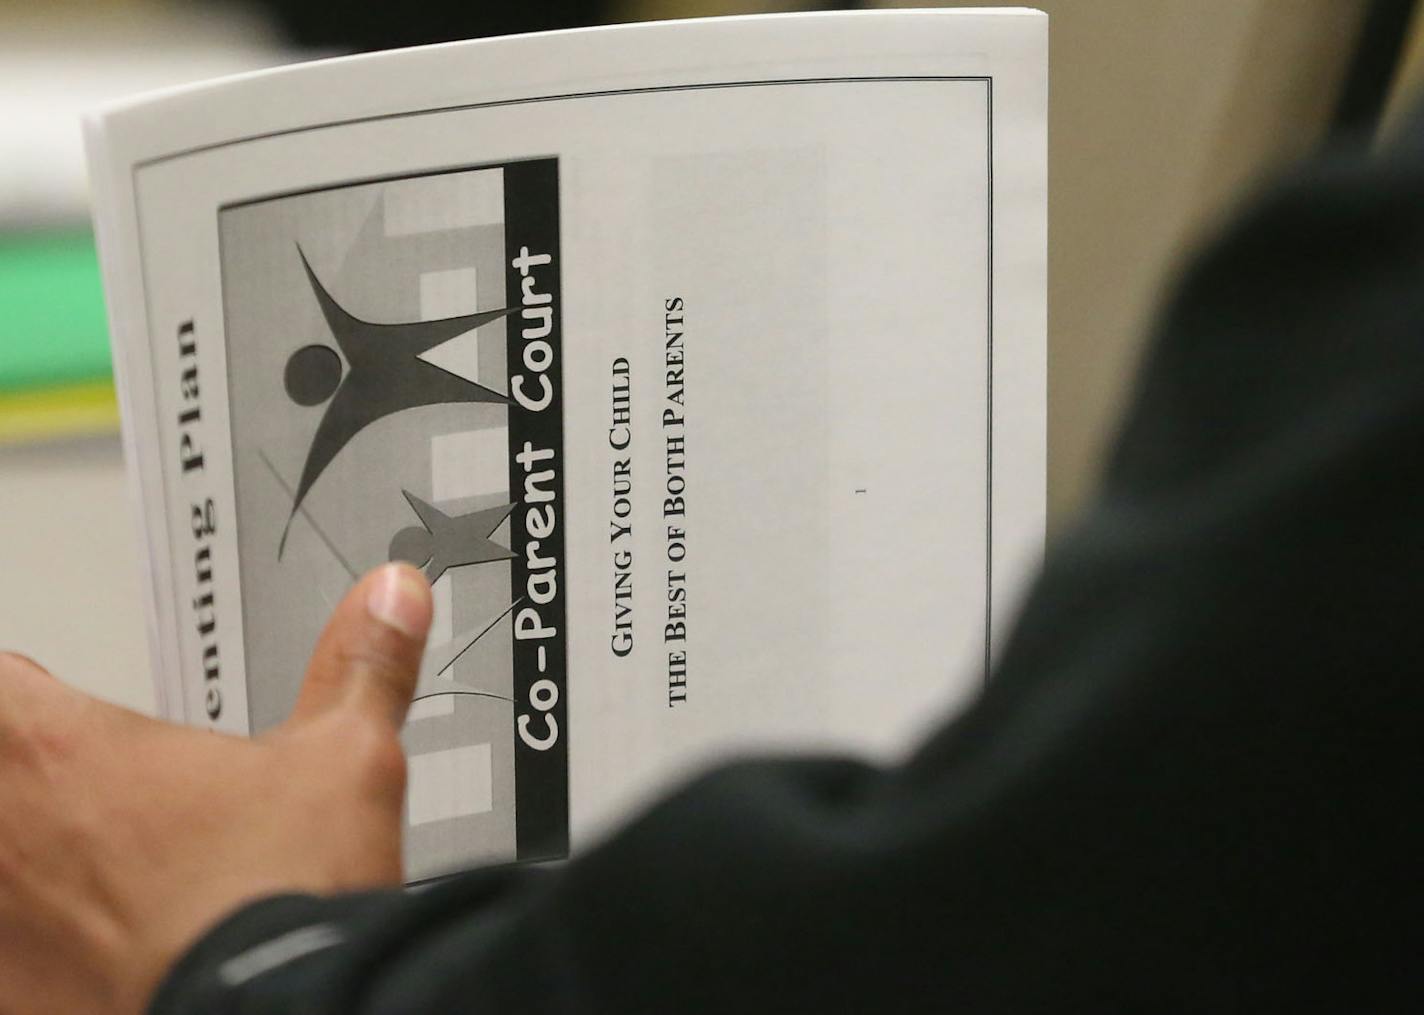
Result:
[536,483]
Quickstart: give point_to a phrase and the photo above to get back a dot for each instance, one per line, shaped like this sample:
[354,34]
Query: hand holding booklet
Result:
[699,366]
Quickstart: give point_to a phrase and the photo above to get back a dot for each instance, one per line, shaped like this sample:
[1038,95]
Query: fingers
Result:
[369,655]
[23,682]
[37,712]
[17,667]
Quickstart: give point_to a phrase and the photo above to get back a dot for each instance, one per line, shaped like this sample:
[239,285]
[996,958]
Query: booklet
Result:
[700,365]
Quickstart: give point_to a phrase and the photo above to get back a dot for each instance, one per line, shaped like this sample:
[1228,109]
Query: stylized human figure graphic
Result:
[442,541]
[384,374]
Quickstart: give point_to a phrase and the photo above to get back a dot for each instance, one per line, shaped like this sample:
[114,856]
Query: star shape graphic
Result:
[458,540]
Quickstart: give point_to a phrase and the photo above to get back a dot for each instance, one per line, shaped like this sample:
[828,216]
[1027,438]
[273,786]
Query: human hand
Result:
[123,838]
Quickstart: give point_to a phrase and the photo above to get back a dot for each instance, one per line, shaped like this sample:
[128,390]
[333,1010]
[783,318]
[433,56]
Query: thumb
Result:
[369,654]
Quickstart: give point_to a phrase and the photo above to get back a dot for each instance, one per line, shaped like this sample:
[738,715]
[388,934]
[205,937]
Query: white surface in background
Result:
[72,595]
[52,71]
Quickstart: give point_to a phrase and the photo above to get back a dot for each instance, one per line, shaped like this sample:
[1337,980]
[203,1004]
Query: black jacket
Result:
[1195,782]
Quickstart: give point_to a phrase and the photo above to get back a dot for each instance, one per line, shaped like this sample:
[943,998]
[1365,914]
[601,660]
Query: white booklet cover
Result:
[700,365]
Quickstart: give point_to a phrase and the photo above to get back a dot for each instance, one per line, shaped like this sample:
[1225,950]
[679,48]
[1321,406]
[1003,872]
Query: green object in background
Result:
[53,330]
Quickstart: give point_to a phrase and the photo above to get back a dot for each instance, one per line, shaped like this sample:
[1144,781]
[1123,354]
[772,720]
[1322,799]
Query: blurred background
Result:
[1164,114]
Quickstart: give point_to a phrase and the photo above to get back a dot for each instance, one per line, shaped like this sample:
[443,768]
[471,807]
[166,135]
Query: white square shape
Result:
[451,292]
[454,783]
[470,463]
[431,708]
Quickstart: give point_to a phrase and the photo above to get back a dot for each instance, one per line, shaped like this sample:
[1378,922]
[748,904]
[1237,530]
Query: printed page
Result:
[704,382]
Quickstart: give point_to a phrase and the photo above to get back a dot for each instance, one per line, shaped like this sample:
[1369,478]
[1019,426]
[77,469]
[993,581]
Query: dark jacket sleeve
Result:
[1191,785]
